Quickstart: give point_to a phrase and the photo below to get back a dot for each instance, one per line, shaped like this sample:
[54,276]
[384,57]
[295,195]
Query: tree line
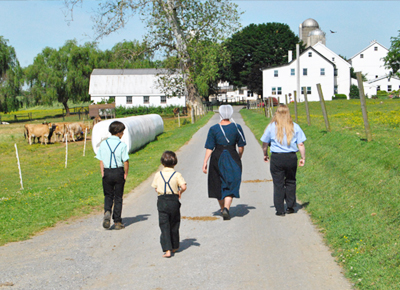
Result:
[201,40]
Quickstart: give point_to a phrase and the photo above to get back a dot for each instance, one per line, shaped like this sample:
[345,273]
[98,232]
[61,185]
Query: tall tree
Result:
[62,75]
[255,47]
[11,77]
[392,60]
[176,26]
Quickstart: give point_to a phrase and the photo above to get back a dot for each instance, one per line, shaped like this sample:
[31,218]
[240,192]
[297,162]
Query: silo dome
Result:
[316,32]
[310,23]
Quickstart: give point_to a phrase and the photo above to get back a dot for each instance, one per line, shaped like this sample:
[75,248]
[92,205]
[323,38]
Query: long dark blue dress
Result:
[225,169]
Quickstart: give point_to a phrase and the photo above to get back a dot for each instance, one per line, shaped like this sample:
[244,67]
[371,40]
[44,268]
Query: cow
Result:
[96,120]
[40,131]
[75,129]
[60,131]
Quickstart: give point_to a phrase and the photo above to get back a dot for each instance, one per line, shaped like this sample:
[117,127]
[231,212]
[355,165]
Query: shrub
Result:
[339,97]
[144,110]
[354,92]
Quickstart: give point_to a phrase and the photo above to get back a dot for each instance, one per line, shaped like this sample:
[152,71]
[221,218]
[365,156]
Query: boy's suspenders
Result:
[167,183]
[113,154]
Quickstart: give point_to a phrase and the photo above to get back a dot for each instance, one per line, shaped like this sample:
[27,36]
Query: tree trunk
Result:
[65,104]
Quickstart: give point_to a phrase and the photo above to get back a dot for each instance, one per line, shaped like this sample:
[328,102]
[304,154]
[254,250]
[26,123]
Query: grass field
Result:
[54,193]
[351,187]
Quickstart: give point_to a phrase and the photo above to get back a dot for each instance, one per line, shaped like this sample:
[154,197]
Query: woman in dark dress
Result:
[225,170]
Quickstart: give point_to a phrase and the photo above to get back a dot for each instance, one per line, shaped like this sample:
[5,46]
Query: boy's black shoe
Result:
[119,226]
[282,214]
[225,214]
[290,210]
[106,220]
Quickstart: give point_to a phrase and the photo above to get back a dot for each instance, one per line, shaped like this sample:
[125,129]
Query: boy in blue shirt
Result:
[114,166]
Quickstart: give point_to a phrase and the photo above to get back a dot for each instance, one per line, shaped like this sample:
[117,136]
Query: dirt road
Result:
[254,250]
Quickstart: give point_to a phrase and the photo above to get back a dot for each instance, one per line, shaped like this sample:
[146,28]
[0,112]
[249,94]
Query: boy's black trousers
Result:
[283,168]
[169,218]
[113,187]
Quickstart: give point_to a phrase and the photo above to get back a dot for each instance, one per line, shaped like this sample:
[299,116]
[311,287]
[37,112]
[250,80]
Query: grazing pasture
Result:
[350,187]
[54,193]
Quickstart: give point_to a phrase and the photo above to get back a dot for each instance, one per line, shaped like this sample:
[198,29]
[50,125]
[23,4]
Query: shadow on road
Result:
[131,220]
[187,243]
[239,210]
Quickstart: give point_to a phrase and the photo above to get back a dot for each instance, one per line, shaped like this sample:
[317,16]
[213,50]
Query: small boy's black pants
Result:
[283,168]
[113,187]
[169,218]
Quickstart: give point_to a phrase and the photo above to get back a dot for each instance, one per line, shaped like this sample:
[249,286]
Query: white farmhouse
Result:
[314,68]
[342,75]
[370,62]
[130,88]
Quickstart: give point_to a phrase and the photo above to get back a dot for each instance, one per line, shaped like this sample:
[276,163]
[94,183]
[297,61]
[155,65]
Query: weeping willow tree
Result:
[11,77]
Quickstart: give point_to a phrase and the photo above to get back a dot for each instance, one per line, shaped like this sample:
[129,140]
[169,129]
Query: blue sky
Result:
[30,26]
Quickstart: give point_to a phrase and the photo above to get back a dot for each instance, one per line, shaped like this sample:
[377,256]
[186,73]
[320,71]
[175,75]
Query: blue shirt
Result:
[269,136]
[121,152]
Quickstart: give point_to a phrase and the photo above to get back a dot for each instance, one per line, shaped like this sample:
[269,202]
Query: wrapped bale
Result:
[139,130]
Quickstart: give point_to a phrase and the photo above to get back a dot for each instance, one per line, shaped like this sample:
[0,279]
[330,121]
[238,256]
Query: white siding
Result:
[288,83]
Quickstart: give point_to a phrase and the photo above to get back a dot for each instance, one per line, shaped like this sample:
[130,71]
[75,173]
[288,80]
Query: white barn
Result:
[314,68]
[130,88]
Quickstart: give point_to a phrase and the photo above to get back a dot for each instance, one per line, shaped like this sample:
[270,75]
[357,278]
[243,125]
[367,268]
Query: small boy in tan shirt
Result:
[169,185]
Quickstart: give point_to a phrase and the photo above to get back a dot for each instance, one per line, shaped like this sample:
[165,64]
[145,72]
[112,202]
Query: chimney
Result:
[289,56]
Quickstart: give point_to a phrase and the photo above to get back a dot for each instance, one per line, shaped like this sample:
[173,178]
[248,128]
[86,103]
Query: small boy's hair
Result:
[169,159]
[116,127]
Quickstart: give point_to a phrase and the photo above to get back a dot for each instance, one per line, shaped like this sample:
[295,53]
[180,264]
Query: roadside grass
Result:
[54,193]
[350,187]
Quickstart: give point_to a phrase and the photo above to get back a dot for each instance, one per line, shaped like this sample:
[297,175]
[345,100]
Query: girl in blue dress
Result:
[225,169]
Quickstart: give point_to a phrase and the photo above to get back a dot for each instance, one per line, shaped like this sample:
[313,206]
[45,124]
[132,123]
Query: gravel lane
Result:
[254,250]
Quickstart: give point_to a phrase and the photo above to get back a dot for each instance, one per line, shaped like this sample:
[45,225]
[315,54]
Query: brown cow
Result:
[39,131]
[96,120]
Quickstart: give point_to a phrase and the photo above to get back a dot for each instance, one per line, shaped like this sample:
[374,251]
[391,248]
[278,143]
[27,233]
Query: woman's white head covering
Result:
[225,112]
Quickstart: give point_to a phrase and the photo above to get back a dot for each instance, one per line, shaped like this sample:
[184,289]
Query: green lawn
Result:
[350,187]
[54,193]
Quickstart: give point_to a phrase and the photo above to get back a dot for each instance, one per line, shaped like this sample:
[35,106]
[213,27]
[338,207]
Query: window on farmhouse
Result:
[279,91]
[310,54]
[292,72]
[241,92]
[302,90]
[146,99]
[322,71]
[335,72]
[361,55]
[129,99]
[335,89]
[163,99]
[378,88]
[333,59]
[275,73]
[273,91]
[304,71]
[376,48]
[389,88]
[308,90]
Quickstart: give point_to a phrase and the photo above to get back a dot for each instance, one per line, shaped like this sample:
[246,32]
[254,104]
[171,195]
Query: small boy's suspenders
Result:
[113,154]
[167,183]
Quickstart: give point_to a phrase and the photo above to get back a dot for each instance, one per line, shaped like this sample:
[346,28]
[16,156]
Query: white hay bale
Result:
[139,130]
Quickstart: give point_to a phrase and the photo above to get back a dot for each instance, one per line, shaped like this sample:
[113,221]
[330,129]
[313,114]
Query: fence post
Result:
[295,105]
[66,149]
[364,106]
[323,107]
[179,120]
[19,165]
[306,102]
[286,99]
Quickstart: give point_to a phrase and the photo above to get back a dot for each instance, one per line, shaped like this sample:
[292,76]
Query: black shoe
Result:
[225,214]
[106,220]
[282,214]
[290,210]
